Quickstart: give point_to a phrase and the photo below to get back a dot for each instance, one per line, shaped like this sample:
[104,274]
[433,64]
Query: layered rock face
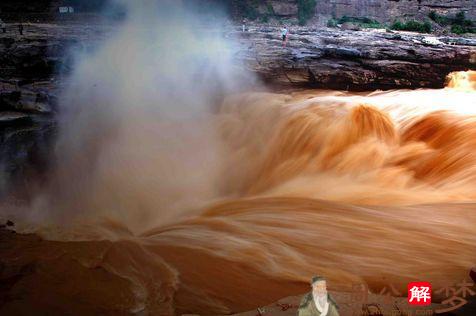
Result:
[381,10]
[389,10]
[325,58]
[30,81]
[284,8]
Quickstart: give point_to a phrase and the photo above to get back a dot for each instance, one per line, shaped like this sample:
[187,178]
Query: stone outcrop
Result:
[330,58]
[389,10]
[284,8]
[356,60]
[26,101]
[28,97]
[380,10]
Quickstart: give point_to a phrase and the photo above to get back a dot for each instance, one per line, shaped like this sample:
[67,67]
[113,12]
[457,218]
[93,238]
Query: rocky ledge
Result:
[320,58]
[356,60]
[32,66]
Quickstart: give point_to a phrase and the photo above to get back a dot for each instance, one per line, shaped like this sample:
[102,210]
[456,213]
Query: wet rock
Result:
[338,52]
[26,101]
[327,58]
[25,148]
[459,41]
[10,224]
[388,11]
[357,60]
[14,119]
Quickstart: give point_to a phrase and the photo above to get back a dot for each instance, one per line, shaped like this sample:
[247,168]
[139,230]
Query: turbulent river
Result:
[359,188]
[226,208]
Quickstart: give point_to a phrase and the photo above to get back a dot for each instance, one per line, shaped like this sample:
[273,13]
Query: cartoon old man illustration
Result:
[318,302]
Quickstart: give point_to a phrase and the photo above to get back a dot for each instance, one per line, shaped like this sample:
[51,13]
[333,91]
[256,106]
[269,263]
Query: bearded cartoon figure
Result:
[318,302]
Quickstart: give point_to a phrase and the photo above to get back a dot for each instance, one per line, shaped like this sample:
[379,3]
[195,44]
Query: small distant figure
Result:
[284,35]
[244,25]
[3,26]
[20,28]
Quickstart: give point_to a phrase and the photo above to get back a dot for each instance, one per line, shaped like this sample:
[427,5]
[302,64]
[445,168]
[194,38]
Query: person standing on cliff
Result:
[318,302]
[20,28]
[284,35]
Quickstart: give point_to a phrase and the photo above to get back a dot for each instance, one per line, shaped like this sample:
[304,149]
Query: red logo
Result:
[419,293]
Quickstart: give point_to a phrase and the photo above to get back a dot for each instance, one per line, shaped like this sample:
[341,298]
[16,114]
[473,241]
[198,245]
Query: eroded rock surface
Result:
[360,60]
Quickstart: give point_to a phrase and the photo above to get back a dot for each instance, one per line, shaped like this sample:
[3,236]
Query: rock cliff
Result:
[357,60]
[389,10]
[380,10]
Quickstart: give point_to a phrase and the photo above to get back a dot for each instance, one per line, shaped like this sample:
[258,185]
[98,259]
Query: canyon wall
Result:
[380,10]
[389,10]
[46,10]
